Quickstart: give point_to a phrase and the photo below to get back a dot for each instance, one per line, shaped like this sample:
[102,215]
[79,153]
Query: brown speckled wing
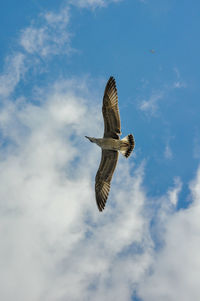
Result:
[110,110]
[104,176]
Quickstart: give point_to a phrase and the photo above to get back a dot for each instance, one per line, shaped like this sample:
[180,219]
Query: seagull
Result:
[110,144]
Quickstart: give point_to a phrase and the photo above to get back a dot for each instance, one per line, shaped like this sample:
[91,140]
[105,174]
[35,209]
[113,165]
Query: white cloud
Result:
[179,83]
[51,229]
[13,73]
[51,36]
[173,193]
[176,271]
[195,188]
[168,152]
[47,37]
[150,106]
[92,3]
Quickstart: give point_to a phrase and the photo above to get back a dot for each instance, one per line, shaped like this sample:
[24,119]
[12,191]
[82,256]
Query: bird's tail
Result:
[127,145]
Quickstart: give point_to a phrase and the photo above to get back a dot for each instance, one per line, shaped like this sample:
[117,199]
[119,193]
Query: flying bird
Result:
[110,144]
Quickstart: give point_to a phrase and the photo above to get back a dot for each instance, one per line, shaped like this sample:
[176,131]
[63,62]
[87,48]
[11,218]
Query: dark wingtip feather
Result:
[111,82]
[131,145]
[102,191]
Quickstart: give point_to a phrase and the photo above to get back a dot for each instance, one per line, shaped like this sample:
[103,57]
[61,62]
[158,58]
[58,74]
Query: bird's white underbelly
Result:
[108,143]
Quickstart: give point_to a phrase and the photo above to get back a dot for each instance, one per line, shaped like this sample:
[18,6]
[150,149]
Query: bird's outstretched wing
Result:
[110,110]
[104,176]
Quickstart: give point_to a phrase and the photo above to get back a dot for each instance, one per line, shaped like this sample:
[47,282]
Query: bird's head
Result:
[90,138]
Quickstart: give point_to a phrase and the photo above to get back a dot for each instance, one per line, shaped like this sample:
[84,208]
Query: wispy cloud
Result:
[150,105]
[168,152]
[174,192]
[92,3]
[49,36]
[13,72]
[179,82]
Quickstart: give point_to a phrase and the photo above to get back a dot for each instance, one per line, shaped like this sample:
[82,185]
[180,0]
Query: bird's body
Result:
[124,146]
[110,143]
[107,143]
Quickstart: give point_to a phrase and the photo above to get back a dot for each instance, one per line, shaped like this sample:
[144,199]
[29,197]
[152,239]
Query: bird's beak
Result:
[88,138]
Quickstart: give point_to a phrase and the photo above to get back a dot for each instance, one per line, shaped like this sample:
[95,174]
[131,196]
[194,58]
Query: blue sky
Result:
[55,60]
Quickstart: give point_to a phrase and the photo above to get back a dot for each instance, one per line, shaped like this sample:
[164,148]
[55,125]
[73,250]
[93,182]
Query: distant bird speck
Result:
[152,50]
[110,143]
